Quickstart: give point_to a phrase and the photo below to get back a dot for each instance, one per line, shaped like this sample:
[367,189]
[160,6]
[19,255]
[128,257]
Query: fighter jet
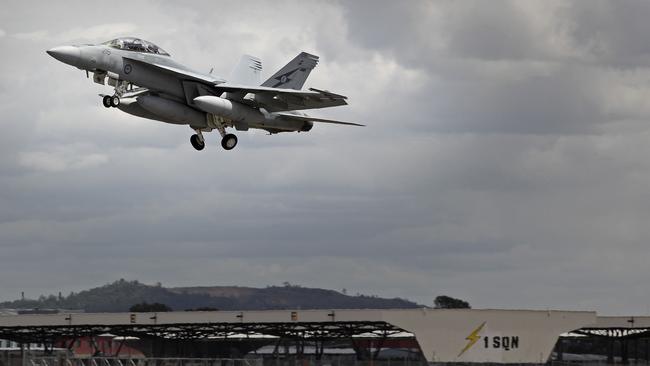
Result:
[148,83]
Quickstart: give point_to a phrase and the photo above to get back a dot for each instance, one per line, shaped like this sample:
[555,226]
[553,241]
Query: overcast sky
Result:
[506,159]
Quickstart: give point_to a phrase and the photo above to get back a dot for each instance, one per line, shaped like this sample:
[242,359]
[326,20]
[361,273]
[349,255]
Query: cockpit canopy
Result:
[135,44]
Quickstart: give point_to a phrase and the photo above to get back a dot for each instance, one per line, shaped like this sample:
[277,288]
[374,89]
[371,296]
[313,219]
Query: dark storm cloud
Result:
[504,159]
[611,34]
[510,68]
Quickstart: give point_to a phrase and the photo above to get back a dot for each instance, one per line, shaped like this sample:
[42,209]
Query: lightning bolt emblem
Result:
[472,338]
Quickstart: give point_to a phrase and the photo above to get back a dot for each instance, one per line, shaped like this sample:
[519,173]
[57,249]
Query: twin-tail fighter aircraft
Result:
[149,84]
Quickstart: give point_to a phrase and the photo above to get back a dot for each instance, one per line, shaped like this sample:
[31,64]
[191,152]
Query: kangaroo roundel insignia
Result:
[283,79]
[127,68]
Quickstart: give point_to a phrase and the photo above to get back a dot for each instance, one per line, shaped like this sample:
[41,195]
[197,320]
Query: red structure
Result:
[102,345]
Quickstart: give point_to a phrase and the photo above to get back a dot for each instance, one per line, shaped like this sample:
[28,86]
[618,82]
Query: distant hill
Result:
[121,295]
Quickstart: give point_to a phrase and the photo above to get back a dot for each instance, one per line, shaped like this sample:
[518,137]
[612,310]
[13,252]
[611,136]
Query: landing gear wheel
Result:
[196,142]
[229,141]
[115,101]
[106,101]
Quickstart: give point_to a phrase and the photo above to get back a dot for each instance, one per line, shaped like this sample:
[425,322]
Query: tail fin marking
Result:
[294,74]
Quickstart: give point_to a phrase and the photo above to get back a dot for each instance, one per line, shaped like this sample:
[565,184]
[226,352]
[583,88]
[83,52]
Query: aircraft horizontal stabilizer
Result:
[314,119]
[280,100]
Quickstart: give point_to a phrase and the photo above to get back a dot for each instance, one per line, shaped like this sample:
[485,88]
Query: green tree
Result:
[203,308]
[144,307]
[446,302]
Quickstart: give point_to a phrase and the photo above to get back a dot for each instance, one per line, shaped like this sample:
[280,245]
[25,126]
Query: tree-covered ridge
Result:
[121,295]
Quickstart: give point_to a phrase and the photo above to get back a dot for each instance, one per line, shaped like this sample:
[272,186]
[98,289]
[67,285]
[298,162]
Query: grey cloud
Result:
[611,35]
[498,68]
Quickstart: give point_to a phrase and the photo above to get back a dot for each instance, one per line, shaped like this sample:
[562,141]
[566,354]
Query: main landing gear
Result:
[110,101]
[228,142]
[197,141]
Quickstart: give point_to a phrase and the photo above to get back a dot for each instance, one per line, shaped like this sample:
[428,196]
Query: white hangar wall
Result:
[489,336]
[458,335]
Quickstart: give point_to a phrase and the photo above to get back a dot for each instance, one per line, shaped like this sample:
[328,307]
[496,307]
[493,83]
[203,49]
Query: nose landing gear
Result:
[110,101]
[121,87]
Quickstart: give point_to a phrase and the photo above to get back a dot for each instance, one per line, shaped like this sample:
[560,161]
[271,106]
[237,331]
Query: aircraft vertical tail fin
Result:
[294,74]
[247,72]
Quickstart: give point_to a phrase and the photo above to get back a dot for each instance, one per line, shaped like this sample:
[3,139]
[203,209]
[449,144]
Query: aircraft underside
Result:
[143,103]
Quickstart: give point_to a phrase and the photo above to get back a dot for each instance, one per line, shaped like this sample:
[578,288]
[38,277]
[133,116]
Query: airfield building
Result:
[334,337]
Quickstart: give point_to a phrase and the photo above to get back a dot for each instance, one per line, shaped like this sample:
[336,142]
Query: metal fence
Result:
[335,360]
[114,361]
[603,362]
[256,361]
[290,361]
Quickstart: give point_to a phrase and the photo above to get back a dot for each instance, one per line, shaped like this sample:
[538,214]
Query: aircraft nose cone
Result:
[66,54]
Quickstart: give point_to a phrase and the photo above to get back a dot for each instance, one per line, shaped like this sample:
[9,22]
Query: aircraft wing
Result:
[182,74]
[313,119]
[279,100]
[271,99]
